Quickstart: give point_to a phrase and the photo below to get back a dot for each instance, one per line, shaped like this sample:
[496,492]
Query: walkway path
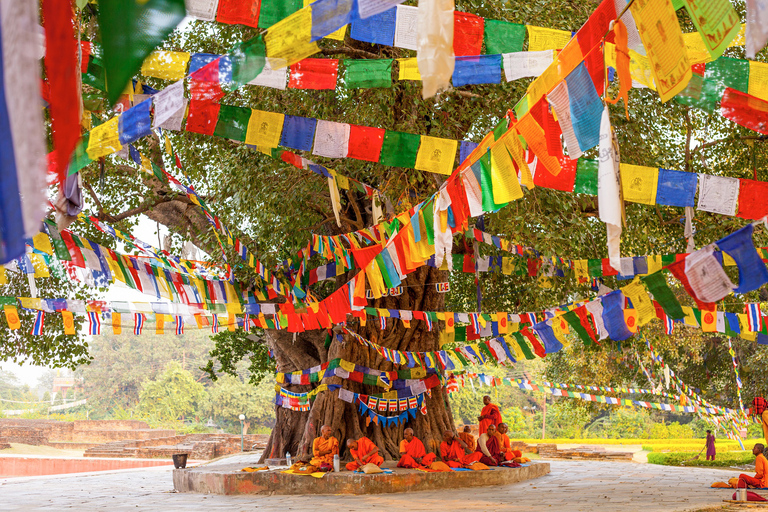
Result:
[572,486]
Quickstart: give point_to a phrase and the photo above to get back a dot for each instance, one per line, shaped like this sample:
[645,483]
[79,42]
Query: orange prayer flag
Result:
[12,317]
[116,327]
[69,322]
[232,322]
[159,323]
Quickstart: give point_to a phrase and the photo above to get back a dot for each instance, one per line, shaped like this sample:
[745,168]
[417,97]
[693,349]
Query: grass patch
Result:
[721,460]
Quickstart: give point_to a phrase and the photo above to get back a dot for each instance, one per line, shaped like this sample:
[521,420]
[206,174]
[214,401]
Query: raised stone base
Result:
[228,479]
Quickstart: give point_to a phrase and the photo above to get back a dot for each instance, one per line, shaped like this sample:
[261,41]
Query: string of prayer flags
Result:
[22,138]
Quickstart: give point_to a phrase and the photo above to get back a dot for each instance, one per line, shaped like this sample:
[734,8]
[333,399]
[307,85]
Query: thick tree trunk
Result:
[295,431]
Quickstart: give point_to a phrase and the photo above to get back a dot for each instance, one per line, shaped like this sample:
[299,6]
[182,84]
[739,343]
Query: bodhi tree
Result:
[274,208]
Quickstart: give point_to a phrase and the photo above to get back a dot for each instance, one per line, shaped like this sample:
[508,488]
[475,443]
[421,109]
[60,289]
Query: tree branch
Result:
[352,52]
[757,138]
[142,208]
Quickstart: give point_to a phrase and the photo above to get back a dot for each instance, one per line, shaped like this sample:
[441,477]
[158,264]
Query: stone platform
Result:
[228,479]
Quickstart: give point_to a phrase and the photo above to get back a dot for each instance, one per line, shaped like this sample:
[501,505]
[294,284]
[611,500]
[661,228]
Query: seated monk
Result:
[455,452]
[490,415]
[363,452]
[488,446]
[760,479]
[468,438]
[504,444]
[324,448]
[412,452]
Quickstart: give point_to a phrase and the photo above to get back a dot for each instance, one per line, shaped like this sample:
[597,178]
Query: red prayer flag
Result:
[746,110]
[242,12]
[469,264]
[314,74]
[594,63]
[62,73]
[591,33]
[85,55]
[752,199]
[467,34]
[365,142]
[563,181]
[205,92]
[608,270]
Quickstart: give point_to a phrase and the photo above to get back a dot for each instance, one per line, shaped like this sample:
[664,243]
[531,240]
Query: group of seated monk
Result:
[458,450]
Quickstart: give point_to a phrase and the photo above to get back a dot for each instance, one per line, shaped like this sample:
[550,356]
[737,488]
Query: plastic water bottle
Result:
[336,468]
[288,458]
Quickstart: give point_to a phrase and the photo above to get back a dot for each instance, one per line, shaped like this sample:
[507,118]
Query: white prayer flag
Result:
[526,64]
[706,276]
[202,9]
[757,26]
[274,75]
[472,190]
[368,8]
[168,103]
[718,194]
[609,189]
[331,139]
[405,27]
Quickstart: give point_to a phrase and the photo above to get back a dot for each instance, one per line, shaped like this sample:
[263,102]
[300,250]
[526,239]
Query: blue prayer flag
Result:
[586,107]
[135,123]
[378,29]
[613,316]
[752,271]
[676,188]
[479,69]
[465,148]
[298,133]
[330,15]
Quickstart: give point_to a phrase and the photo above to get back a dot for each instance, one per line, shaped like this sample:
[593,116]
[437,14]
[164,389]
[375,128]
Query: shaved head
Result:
[325,431]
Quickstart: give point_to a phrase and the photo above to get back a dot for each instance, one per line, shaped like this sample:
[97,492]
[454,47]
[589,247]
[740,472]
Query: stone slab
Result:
[229,480]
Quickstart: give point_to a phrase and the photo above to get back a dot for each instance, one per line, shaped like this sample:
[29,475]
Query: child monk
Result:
[490,415]
[455,452]
[504,444]
[324,448]
[363,452]
[412,452]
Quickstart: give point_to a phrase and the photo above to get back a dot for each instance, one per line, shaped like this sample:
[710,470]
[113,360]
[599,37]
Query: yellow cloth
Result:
[506,186]
[758,80]
[166,65]
[104,139]
[409,69]
[323,445]
[318,474]
[289,39]
[639,183]
[264,128]
[540,38]
[436,155]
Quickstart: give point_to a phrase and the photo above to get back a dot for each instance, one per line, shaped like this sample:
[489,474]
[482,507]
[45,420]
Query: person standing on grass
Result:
[710,445]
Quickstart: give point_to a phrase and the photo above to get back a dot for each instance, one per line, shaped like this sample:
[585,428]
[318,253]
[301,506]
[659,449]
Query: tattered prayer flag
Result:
[241,12]
[434,45]
[503,37]
[467,34]
[367,73]
[166,65]
[130,30]
[264,128]
[546,38]
[399,149]
[365,143]
[757,27]
[638,183]
[657,285]
[314,74]
[663,40]
[436,155]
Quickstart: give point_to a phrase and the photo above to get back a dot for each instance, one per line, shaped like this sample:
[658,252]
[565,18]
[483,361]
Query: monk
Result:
[324,448]
[363,452]
[412,452]
[760,411]
[455,452]
[490,415]
[468,438]
[760,479]
[488,447]
[504,444]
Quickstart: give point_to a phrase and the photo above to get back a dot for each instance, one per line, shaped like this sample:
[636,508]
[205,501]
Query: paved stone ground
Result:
[572,486]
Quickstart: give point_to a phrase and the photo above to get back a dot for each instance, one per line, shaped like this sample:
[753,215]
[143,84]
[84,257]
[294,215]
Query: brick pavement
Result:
[572,486]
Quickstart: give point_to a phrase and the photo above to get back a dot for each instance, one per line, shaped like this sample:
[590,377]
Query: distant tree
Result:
[173,395]
[230,396]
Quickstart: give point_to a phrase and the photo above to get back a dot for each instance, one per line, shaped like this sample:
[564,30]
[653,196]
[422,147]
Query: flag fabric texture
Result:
[94,323]
[37,327]
[138,323]
[22,139]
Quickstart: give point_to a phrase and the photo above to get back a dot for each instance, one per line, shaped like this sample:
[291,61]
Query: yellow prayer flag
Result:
[640,69]
[409,69]
[654,264]
[540,38]
[709,320]
[544,83]
[630,318]
[166,65]
[69,322]
[30,303]
[436,155]
[503,322]
[12,317]
[3,279]
[159,323]
[342,182]
[662,38]
[346,365]
[104,139]
[42,243]
[581,269]
[232,322]
[507,266]
[38,263]
[290,39]
[640,301]
[117,328]
[639,183]
[690,317]
[697,51]
[758,80]
[506,187]
[728,261]
[264,128]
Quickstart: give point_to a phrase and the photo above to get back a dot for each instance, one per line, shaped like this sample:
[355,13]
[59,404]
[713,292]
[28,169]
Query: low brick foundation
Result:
[550,451]
[228,479]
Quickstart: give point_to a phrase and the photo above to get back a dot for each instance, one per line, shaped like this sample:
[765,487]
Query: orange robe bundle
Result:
[450,452]
[320,444]
[364,446]
[469,439]
[505,447]
[414,450]
[492,416]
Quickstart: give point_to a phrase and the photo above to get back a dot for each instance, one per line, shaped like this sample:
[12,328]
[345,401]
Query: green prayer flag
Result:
[574,321]
[500,129]
[130,30]
[273,11]
[428,221]
[232,123]
[80,156]
[657,285]
[482,170]
[367,73]
[399,149]
[460,333]
[486,351]
[503,37]
[384,273]
[595,268]
[667,259]
[7,301]
[523,345]
[159,174]
[719,74]
[248,59]
[586,177]
[94,76]
[58,243]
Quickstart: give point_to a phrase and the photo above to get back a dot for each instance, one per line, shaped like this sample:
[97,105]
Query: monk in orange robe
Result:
[490,415]
[468,438]
[324,448]
[504,444]
[412,452]
[488,448]
[363,452]
[455,452]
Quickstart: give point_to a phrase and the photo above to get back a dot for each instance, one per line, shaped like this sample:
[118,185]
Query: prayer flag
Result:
[376,29]
[69,322]
[365,143]
[480,69]
[718,194]
[754,317]
[467,34]
[746,110]
[739,246]
[22,137]
[503,37]
[275,11]
[241,12]
[116,327]
[290,38]
[264,128]
[298,133]
[638,183]
[406,32]
[399,149]
[138,323]
[37,327]
[546,38]
[331,139]
[130,30]
[436,155]
[757,27]
[94,323]
[202,9]
[233,123]
[676,188]
[314,74]
[586,107]
[709,319]
[367,73]
[166,65]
